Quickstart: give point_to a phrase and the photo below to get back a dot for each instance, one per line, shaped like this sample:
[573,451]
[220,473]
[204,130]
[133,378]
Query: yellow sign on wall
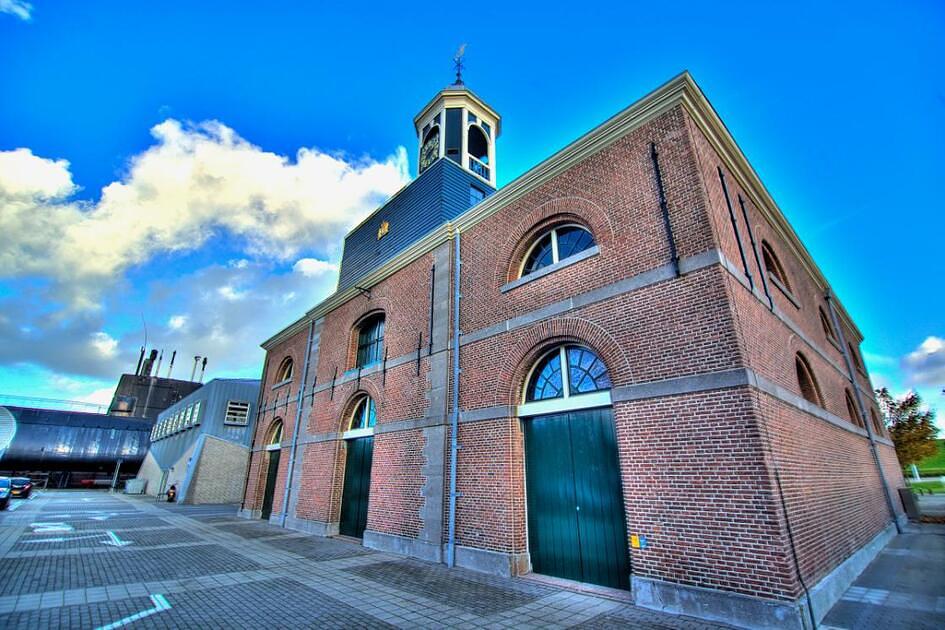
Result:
[383,230]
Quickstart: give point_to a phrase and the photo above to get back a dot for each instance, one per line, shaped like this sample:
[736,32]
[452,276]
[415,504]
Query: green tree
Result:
[912,429]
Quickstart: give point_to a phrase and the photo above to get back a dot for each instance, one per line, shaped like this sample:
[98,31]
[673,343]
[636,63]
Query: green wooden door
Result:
[270,483]
[357,488]
[576,524]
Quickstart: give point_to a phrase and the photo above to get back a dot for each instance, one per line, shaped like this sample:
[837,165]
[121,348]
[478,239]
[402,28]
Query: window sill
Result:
[544,271]
[785,291]
[281,384]
[370,368]
[833,342]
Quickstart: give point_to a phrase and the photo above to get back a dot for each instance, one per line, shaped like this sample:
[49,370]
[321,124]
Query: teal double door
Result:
[270,492]
[357,488]
[576,524]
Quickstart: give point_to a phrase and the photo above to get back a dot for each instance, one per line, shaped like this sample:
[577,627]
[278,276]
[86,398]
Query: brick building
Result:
[654,388]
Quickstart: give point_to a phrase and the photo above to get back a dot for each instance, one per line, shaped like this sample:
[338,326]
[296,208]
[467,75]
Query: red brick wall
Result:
[321,481]
[675,328]
[833,489]
[277,403]
[614,194]
[396,483]
[696,486]
[804,288]
[490,513]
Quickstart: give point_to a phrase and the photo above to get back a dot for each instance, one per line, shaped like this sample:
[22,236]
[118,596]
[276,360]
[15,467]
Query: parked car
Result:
[21,487]
[4,492]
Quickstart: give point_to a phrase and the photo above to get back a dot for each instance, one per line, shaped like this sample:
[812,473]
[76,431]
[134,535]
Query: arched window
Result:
[429,148]
[877,423]
[555,245]
[855,357]
[852,411]
[773,265]
[825,323]
[364,415]
[806,381]
[477,144]
[567,372]
[370,341]
[275,433]
[286,368]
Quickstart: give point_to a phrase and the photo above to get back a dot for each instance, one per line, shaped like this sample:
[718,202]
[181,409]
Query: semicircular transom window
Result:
[275,433]
[364,415]
[806,381]
[852,410]
[773,265]
[286,369]
[565,372]
[556,245]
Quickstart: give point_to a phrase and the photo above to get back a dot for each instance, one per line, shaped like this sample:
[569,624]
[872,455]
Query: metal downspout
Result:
[664,209]
[298,420]
[851,373]
[454,415]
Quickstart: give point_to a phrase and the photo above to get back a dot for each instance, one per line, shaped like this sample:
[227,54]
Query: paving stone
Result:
[26,575]
[475,593]
[140,538]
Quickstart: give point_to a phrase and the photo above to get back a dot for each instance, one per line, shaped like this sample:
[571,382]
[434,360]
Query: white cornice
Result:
[681,90]
[455,96]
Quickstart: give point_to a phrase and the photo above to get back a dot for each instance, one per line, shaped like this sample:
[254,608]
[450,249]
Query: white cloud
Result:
[229,336]
[926,364]
[313,267]
[24,175]
[195,180]
[104,344]
[176,322]
[65,384]
[230,294]
[19,8]
[101,396]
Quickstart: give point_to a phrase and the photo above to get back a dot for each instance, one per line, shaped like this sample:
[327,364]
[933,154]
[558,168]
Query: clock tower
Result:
[459,126]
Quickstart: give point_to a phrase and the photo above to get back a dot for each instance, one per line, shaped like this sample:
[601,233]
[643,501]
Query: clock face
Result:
[430,151]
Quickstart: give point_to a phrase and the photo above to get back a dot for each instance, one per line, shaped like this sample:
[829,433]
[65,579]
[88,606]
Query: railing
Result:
[478,168]
[50,403]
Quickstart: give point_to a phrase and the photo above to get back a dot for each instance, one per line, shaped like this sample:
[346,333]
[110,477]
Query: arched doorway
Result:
[274,450]
[576,521]
[359,442]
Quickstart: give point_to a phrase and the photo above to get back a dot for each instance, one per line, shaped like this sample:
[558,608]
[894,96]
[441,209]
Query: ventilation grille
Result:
[237,412]
[7,429]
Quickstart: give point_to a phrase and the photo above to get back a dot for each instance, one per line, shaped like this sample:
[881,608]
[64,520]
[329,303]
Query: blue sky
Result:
[839,108]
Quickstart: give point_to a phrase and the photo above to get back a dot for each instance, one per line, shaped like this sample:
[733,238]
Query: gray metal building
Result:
[201,444]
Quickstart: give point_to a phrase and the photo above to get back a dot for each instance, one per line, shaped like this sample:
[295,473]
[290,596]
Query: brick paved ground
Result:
[64,562]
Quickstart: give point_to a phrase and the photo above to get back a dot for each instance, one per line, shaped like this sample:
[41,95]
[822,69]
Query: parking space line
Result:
[160,604]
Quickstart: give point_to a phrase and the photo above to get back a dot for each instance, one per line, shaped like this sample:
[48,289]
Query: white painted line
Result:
[59,539]
[114,540]
[104,516]
[49,528]
[160,604]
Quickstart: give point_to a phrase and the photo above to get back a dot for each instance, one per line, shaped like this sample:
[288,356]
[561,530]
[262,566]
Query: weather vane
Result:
[458,61]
